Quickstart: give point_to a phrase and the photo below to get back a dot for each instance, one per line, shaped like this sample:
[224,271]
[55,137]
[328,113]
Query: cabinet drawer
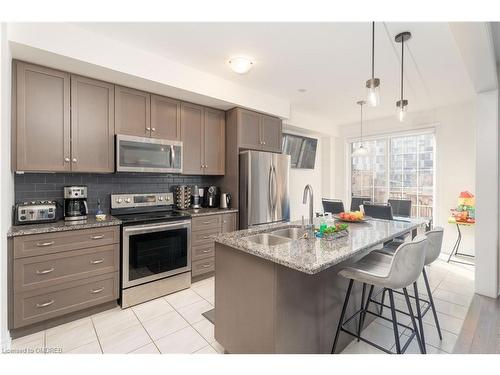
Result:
[31,307]
[201,252]
[204,237]
[199,267]
[206,222]
[49,243]
[53,269]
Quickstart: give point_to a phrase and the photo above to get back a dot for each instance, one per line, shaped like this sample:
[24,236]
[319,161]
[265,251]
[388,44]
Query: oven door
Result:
[139,154]
[155,251]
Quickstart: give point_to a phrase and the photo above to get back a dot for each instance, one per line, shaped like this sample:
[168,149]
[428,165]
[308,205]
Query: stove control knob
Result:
[160,198]
[127,200]
[167,198]
[119,200]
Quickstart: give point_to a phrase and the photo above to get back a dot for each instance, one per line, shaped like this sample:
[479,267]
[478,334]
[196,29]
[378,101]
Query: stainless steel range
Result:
[156,246]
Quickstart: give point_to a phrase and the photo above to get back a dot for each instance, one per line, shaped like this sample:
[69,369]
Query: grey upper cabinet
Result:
[203,137]
[92,125]
[191,136]
[41,118]
[258,132]
[271,133]
[132,112]
[214,141]
[165,118]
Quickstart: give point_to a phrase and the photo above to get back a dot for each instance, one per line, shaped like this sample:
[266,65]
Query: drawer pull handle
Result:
[98,261]
[44,272]
[98,237]
[206,265]
[207,222]
[40,305]
[205,251]
[207,237]
[43,244]
[94,291]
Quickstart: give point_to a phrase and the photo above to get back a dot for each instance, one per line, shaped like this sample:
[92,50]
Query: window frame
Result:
[387,137]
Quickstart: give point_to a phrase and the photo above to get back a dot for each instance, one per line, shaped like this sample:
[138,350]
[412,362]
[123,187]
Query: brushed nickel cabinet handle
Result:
[94,291]
[97,237]
[207,237]
[206,265]
[153,129]
[66,160]
[148,129]
[205,251]
[207,222]
[44,272]
[43,244]
[74,160]
[40,305]
[98,261]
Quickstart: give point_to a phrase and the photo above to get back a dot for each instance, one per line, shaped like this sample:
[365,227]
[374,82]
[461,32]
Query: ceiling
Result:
[330,60]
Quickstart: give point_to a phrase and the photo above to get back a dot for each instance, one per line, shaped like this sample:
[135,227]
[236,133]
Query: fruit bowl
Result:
[351,217]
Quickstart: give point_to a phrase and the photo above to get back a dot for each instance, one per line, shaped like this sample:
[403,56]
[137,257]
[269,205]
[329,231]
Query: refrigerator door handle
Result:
[270,179]
[275,193]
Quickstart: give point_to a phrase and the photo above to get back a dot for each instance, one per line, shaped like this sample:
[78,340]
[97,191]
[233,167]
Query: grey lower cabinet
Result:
[203,229]
[55,274]
[61,122]
[203,137]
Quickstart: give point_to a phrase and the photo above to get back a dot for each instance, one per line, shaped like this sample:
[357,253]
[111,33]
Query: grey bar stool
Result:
[389,272]
[432,252]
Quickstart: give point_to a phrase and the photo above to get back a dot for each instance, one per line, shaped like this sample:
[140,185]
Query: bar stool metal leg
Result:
[413,322]
[394,321]
[342,315]
[419,317]
[382,301]
[362,307]
[365,309]
[431,300]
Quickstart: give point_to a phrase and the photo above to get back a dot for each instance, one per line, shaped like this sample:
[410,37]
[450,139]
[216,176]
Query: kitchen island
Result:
[277,293]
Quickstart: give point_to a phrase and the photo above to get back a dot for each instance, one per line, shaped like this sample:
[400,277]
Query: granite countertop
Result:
[209,211]
[314,255]
[61,226]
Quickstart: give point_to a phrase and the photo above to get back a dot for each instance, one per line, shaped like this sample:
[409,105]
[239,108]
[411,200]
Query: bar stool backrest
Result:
[407,263]
[357,201]
[334,206]
[400,207]
[435,241]
[378,211]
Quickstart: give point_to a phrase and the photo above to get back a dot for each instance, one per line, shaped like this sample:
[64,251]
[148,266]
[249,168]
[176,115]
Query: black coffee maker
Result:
[211,197]
[75,203]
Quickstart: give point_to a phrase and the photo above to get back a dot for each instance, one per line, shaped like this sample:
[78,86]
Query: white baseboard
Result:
[6,342]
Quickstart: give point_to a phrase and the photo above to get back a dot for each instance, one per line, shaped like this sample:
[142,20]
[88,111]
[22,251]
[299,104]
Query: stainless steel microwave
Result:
[139,154]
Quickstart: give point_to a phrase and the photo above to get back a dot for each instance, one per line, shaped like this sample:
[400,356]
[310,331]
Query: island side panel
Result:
[244,301]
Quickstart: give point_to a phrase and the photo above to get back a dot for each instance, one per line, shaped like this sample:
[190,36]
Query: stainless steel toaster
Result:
[35,212]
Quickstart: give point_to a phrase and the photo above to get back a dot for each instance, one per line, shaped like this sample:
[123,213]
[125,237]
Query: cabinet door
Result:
[271,133]
[229,223]
[192,138]
[215,131]
[92,125]
[42,119]
[249,129]
[132,112]
[165,118]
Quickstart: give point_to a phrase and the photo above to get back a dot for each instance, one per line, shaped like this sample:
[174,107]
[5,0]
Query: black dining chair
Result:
[378,211]
[357,201]
[334,206]
[400,207]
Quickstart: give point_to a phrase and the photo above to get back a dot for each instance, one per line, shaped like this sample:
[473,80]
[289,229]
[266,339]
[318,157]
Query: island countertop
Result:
[314,255]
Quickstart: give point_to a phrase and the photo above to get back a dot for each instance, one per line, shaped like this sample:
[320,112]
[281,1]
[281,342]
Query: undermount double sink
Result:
[278,237]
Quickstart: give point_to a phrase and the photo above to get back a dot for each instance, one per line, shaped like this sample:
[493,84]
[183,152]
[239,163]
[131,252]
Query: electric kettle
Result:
[225,200]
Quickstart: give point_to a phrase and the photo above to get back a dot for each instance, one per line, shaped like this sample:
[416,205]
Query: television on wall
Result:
[302,150]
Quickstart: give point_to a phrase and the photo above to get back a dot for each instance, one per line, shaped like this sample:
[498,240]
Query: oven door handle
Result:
[147,228]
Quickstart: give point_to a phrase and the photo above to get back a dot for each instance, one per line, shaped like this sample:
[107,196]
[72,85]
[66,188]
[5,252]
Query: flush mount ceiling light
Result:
[361,150]
[373,84]
[402,104]
[240,64]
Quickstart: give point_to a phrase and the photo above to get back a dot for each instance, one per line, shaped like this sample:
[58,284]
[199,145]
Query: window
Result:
[396,167]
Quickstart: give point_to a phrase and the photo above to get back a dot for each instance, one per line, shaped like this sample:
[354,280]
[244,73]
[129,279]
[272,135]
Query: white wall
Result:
[6,179]
[299,178]
[455,158]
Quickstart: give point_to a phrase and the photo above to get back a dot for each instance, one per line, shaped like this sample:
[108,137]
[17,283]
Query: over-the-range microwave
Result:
[140,154]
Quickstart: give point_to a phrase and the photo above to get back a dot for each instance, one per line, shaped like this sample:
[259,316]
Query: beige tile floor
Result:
[175,324]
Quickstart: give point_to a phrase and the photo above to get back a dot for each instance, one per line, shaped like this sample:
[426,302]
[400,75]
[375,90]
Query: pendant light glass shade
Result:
[402,104]
[361,150]
[373,84]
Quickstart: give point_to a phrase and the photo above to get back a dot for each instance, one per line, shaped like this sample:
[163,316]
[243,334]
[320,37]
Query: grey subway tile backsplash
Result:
[49,186]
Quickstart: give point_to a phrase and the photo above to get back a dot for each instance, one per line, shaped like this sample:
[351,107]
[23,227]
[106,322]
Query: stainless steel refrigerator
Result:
[264,191]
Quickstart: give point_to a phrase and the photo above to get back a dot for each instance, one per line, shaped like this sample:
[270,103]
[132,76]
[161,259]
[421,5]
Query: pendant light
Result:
[361,150]
[373,84]
[402,103]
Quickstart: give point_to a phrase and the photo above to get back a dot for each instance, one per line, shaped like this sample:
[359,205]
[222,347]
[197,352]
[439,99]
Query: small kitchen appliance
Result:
[183,197]
[211,196]
[35,212]
[195,197]
[155,246]
[225,200]
[75,203]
